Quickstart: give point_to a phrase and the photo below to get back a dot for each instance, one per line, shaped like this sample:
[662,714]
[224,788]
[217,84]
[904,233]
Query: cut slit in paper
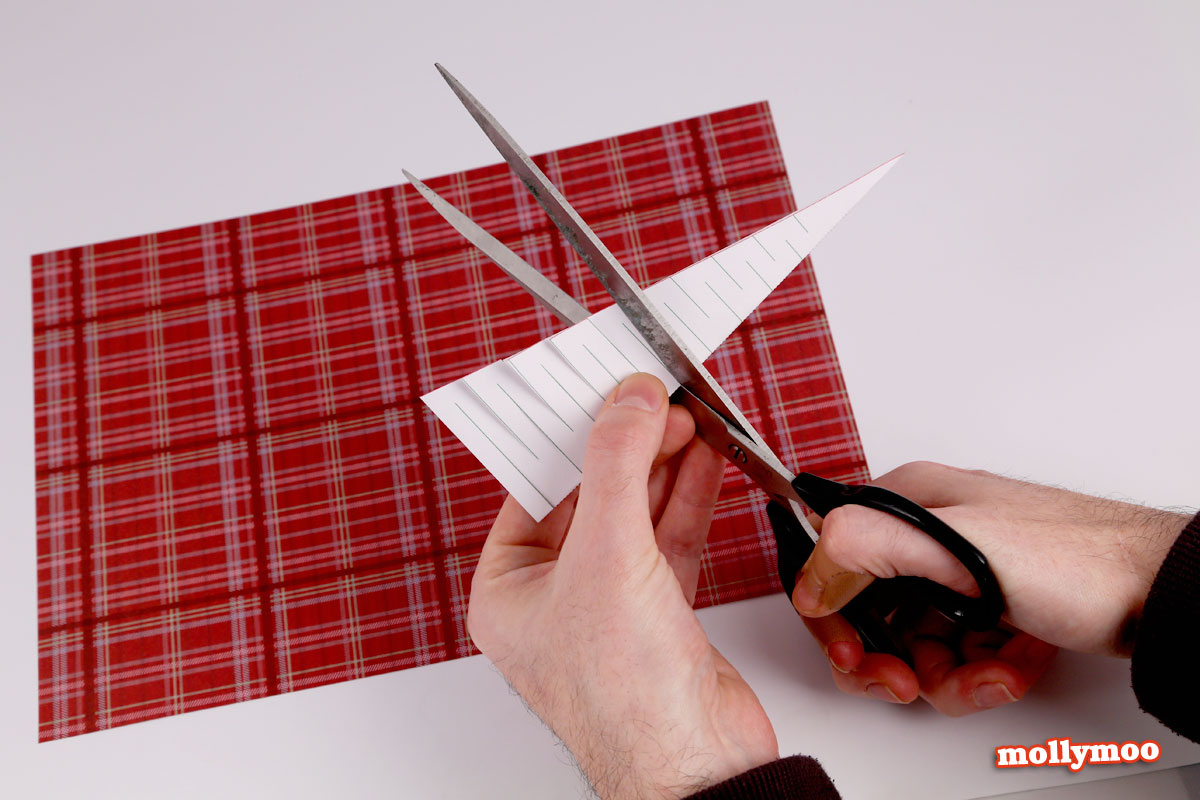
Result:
[527,418]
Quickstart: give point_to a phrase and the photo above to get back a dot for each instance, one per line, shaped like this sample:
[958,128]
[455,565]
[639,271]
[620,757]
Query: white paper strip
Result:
[527,418]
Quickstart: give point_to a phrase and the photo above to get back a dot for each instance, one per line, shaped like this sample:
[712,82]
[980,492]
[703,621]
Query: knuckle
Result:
[934,470]
[981,473]
[922,470]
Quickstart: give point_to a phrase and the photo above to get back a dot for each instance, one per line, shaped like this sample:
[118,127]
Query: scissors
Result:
[722,425]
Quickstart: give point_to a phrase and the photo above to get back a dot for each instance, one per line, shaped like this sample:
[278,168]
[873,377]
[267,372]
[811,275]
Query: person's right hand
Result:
[1075,571]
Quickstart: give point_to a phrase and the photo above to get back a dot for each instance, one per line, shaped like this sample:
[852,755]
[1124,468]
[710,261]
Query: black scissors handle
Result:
[868,611]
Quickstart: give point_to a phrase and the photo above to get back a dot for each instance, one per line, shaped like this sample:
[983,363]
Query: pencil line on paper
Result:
[553,410]
[614,347]
[763,246]
[568,394]
[574,368]
[756,272]
[533,422]
[689,297]
[642,342]
[689,327]
[722,299]
[471,419]
[727,275]
[601,363]
[500,419]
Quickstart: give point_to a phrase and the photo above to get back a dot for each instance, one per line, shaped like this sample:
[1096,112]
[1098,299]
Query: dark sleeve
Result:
[1166,649]
[797,777]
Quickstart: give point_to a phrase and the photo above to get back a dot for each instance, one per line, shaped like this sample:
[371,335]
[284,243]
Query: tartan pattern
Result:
[239,491]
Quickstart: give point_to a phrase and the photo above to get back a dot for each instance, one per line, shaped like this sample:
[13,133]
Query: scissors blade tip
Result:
[420,186]
[450,79]
[429,194]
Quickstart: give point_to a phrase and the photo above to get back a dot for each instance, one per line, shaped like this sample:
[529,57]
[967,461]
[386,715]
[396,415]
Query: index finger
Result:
[516,540]
[682,531]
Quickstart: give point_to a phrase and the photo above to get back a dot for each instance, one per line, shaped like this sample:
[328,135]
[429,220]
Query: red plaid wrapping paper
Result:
[239,490]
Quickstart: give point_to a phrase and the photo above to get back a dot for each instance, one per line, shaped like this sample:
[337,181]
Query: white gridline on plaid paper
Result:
[416,579]
[334,365]
[161,507]
[149,291]
[158,353]
[54,386]
[170,668]
[402,483]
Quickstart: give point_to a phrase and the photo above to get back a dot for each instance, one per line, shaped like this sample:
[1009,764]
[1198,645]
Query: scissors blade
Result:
[718,432]
[545,291]
[671,350]
[759,463]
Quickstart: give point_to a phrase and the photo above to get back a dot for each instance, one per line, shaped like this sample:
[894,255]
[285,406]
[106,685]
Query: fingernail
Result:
[806,597]
[882,692]
[990,695]
[640,391]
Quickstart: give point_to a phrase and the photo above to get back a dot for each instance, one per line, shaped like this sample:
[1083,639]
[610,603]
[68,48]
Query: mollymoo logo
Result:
[1061,752]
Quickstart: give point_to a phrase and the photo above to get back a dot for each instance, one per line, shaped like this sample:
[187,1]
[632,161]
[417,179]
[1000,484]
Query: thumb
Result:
[614,499]
[859,544]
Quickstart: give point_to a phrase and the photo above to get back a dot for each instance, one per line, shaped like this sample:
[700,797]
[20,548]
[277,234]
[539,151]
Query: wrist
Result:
[666,742]
[633,766]
[1145,542]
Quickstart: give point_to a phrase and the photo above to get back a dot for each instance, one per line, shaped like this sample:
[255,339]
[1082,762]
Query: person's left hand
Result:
[588,614]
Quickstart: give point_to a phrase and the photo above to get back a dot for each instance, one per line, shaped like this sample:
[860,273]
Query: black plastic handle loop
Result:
[977,613]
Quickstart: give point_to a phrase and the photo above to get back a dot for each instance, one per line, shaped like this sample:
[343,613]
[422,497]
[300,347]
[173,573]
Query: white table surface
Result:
[1034,260]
